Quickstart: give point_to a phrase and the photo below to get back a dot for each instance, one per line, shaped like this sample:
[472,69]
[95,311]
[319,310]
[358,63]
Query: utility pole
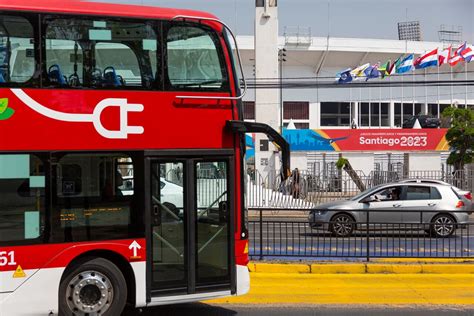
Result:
[281,60]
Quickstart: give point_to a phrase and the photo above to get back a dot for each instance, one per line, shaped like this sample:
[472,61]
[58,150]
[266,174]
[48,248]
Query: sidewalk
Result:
[383,283]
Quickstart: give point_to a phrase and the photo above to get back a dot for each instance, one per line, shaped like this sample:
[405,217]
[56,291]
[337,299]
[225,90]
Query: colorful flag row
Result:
[403,64]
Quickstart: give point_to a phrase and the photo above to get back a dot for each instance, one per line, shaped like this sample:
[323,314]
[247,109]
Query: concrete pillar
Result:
[391,114]
[267,101]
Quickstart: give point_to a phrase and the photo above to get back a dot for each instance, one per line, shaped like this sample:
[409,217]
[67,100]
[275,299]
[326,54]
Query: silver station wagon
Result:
[396,206]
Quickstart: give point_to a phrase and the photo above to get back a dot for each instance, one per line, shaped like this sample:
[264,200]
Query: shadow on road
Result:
[191,309]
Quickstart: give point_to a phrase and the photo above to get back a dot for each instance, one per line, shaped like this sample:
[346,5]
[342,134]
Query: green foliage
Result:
[460,136]
[341,163]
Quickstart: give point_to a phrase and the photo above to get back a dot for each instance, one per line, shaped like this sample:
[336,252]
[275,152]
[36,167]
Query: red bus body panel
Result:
[96,8]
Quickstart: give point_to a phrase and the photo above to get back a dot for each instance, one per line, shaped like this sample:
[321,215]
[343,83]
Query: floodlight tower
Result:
[266,68]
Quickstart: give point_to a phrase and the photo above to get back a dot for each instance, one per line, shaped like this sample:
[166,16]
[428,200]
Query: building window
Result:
[433,109]
[374,114]
[298,125]
[249,110]
[296,110]
[409,110]
[335,113]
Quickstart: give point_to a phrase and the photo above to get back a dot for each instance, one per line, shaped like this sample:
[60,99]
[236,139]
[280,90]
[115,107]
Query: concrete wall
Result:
[425,161]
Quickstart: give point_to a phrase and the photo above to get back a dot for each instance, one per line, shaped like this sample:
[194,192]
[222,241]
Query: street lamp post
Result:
[281,60]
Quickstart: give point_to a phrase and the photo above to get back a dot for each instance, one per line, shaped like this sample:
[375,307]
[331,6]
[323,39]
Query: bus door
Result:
[190,226]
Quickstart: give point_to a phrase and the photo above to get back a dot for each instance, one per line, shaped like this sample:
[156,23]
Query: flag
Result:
[395,65]
[384,69]
[444,56]
[344,76]
[406,65]
[467,53]
[428,59]
[372,72]
[358,72]
[456,58]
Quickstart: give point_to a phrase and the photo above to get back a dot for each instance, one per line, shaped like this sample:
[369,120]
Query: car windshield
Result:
[366,192]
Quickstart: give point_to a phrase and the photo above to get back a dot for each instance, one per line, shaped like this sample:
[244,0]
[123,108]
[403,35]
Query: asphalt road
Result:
[198,309]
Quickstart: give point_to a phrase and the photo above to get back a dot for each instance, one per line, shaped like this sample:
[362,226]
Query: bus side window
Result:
[194,60]
[17,55]
[22,202]
[100,53]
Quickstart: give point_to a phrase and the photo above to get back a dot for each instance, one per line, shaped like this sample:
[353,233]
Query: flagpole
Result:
[452,89]
[380,106]
[359,107]
[392,111]
[438,91]
[413,94]
[370,107]
[426,94]
[402,103]
[465,85]
[350,106]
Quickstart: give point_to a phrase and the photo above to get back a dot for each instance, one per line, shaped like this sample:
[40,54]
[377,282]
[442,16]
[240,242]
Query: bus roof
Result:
[97,8]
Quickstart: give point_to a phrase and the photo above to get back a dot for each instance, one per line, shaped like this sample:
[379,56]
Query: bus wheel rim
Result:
[89,292]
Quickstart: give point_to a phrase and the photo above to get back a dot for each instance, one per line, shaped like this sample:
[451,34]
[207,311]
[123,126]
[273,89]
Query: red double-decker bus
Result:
[121,158]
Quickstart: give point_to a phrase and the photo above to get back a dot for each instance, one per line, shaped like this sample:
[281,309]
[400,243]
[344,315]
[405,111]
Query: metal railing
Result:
[289,234]
[309,189]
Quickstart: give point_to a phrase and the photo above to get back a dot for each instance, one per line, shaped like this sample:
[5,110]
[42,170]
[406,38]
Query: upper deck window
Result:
[100,53]
[194,60]
[17,55]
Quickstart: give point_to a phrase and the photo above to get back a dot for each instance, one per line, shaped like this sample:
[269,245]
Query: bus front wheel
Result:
[96,287]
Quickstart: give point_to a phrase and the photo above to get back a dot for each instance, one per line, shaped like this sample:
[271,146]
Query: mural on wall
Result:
[367,139]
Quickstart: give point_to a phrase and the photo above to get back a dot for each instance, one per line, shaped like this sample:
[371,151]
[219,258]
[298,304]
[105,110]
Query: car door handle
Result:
[431,204]
[397,205]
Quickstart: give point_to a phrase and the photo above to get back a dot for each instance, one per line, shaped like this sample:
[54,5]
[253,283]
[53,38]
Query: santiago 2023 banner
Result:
[367,139]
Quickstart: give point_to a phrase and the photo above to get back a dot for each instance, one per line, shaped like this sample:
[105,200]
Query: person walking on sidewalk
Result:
[295,181]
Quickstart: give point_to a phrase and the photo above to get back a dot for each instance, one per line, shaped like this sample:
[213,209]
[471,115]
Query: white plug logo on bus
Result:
[94,117]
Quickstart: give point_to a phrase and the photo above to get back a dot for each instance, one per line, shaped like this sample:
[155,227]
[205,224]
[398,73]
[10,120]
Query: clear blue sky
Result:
[347,18]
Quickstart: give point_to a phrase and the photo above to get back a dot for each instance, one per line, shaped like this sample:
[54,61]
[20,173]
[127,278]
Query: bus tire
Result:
[94,287]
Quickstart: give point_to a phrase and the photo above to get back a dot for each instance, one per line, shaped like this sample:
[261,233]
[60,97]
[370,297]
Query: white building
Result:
[313,60]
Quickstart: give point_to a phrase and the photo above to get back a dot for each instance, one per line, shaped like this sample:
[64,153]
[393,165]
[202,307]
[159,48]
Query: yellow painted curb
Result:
[281,268]
[362,268]
[338,268]
[420,260]
[448,268]
[394,268]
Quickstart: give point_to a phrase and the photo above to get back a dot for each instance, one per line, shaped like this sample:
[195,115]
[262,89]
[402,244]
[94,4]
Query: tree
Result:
[343,163]
[460,136]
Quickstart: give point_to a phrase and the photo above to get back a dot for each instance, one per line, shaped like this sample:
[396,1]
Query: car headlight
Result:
[319,212]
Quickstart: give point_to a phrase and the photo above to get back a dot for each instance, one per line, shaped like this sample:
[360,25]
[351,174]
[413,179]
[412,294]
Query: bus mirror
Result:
[251,127]
[223,211]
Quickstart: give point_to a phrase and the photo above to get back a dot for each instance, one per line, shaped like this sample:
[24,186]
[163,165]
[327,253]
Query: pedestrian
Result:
[295,182]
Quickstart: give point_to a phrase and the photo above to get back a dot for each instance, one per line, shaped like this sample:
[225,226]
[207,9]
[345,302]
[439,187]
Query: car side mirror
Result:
[369,199]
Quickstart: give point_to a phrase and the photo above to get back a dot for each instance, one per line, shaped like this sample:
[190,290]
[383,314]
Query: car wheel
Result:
[442,226]
[95,287]
[342,225]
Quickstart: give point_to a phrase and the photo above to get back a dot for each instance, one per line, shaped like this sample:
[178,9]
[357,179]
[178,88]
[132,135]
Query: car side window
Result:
[388,194]
[418,193]
[435,195]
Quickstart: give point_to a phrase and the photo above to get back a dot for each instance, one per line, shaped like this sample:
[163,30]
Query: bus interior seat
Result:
[2,79]
[74,80]
[56,76]
[111,78]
